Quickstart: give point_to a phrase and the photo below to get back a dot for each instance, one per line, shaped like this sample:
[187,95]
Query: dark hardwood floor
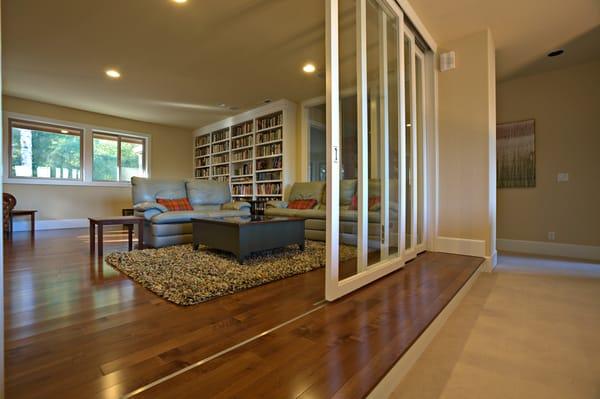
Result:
[76,328]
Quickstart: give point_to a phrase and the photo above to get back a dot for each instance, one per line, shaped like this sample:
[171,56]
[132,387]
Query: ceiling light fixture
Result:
[556,53]
[309,68]
[64,131]
[180,1]
[113,73]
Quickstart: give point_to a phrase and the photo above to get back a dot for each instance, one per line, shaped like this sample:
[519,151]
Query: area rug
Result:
[187,277]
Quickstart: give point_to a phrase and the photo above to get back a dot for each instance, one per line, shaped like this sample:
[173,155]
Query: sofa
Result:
[315,218]
[163,227]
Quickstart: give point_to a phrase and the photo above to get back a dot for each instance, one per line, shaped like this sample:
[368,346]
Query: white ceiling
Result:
[524,31]
[180,61]
[177,61]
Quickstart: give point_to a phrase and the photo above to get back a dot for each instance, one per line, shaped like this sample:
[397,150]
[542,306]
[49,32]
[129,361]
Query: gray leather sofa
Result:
[163,227]
[314,226]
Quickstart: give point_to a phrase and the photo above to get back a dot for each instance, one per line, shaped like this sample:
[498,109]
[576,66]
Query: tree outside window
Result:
[117,157]
[45,151]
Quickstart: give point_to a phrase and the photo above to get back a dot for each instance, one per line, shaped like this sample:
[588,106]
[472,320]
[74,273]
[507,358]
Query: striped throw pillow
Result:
[177,204]
[302,204]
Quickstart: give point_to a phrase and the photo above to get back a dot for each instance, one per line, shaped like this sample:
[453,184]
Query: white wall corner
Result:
[460,246]
[585,252]
[490,263]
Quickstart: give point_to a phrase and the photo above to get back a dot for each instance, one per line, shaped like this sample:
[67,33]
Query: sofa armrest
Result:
[276,204]
[236,206]
[146,206]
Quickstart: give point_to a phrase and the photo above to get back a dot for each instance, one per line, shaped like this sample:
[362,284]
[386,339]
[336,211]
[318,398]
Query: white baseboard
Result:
[461,246]
[390,381]
[587,252]
[23,224]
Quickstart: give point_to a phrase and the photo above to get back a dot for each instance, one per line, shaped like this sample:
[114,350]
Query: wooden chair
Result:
[9,212]
[8,204]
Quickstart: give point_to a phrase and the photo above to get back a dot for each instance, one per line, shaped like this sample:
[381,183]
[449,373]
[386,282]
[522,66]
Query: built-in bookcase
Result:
[254,152]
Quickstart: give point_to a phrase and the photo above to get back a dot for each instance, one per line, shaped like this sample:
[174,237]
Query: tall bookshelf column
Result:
[242,161]
[269,156]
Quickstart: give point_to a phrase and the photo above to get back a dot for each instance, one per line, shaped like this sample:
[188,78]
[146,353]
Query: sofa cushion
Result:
[229,213]
[347,191]
[170,229]
[352,216]
[177,216]
[311,213]
[176,204]
[307,190]
[281,212]
[143,189]
[207,192]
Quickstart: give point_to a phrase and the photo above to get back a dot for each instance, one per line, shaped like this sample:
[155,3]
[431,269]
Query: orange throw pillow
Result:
[302,204]
[177,204]
[374,204]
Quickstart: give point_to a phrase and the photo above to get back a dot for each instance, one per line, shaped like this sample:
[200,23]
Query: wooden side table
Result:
[128,221]
[23,212]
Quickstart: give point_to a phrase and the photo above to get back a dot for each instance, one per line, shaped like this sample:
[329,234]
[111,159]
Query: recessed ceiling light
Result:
[179,1]
[556,53]
[64,131]
[113,73]
[309,68]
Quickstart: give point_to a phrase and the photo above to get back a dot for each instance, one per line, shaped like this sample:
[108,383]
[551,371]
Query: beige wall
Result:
[171,156]
[566,107]
[467,141]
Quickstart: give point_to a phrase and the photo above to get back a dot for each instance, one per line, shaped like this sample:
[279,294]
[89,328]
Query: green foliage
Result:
[105,160]
[47,150]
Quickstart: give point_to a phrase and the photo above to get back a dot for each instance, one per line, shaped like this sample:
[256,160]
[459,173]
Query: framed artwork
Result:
[515,154]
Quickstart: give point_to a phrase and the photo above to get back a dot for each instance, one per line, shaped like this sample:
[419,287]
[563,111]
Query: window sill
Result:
[51,182]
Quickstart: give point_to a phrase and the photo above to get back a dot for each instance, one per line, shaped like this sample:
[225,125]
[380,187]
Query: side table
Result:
[129,221]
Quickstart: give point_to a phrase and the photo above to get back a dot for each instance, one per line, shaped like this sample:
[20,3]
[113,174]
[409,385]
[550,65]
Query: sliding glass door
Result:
[375,143]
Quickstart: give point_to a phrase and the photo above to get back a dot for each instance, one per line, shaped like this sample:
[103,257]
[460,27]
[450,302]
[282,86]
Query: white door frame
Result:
[422,168]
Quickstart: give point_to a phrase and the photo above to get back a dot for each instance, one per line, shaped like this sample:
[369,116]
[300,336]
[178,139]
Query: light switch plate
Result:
[562,177]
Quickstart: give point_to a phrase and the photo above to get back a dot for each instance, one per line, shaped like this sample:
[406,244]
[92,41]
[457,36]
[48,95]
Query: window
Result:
[44,151]
[117,157]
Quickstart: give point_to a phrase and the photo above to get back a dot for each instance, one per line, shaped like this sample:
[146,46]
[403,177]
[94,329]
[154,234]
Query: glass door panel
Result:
[393,133]
[376,102]
[420,97]
[363,136]
[410,112]
[348,150]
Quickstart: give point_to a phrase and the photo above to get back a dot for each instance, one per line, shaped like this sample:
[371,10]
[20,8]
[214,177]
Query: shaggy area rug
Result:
[187,277]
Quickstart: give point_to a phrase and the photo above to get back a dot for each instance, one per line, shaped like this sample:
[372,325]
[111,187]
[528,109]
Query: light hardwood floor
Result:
[528,330]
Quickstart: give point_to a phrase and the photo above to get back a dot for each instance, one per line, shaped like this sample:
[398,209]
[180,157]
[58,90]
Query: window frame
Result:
[119,137]
[11,121]
[87,151]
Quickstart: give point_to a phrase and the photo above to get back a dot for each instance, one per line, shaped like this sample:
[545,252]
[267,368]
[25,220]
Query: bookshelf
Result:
[254,152]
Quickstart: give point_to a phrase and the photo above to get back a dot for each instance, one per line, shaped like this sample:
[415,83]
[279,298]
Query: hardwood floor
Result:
[76,328]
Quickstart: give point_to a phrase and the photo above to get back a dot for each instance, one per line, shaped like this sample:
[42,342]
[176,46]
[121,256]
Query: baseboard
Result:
[587,252]
[490,262]
[392,379]
[461,246]
[24,225]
